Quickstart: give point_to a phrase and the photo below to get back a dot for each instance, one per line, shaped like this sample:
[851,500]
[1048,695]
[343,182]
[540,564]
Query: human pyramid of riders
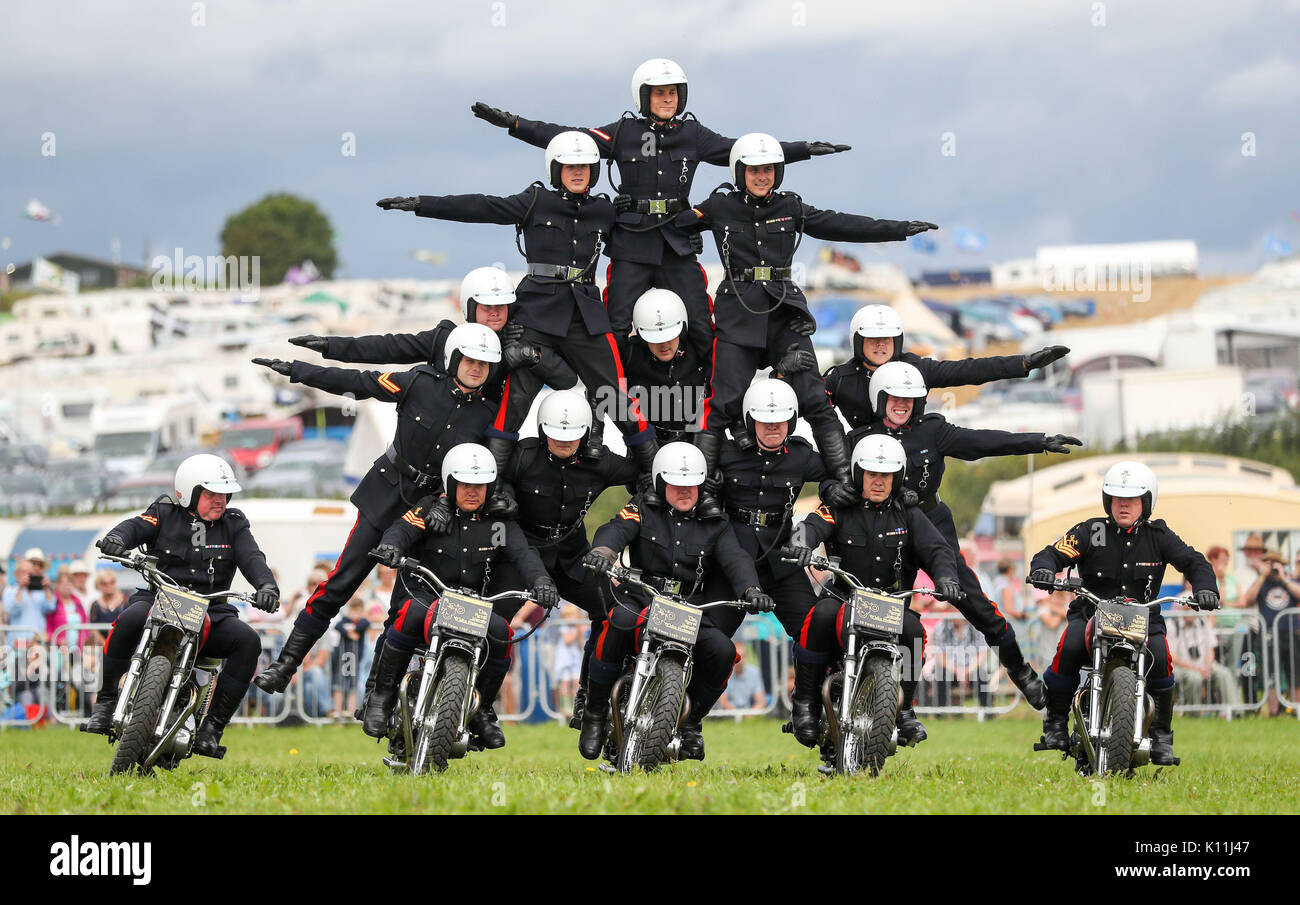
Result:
[711,516]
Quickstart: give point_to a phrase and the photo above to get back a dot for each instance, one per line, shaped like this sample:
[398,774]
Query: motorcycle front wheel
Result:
[872,715]
[1118,721]
[439,724]
[142,717]
[650,728]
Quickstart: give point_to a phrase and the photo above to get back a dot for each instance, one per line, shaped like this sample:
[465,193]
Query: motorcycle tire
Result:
[1118,719]
[649,730]
[142,717]
[872,716]
[446,703]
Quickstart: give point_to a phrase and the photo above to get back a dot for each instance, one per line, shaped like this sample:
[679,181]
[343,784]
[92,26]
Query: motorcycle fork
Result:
[646,659]
[850,680]
[132,676]
[1140,724]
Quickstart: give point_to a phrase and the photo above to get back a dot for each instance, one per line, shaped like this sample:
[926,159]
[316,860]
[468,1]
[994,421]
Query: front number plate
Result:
[877,613]
[674,621]
[180,609]
[464,614]
[1119,620]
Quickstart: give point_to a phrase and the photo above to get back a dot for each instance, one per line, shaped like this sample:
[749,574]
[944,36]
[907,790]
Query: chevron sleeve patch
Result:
[386,381]
[824,513]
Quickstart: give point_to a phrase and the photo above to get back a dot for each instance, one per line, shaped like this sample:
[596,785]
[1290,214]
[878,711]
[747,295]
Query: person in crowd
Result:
[64,609]
[108,602]
[1045,630]
[1125,553]
[1272,592]
[1191,650]
[1233,623]
[348,652]
[80,573]
[566,666]
[1007,593]
[961,667]
[745,687]
[28,599]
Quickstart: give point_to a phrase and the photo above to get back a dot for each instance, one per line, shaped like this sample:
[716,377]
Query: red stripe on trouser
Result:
[600,642]
[428,621]
[706,407]
[109,636]
[925,637]
[803,632]
[704,276]
[1056,660]
[604,293]
[500,422]
[207,630]
[1169,660]
[839,626]
[401,616]
[641,423]
[320,588]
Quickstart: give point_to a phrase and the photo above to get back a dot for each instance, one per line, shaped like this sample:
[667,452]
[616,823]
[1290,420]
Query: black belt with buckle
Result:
[757,518]
[409,471]
[662,206]
[562,272]
[762,274]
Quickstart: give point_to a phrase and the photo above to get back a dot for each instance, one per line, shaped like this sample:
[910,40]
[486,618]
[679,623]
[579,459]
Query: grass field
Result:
[1246,766]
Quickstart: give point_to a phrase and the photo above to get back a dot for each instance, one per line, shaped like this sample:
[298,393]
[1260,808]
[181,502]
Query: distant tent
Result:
[324,298]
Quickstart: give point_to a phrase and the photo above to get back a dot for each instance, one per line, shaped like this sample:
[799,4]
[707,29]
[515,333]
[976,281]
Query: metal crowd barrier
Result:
[1287,625]
[1242,671]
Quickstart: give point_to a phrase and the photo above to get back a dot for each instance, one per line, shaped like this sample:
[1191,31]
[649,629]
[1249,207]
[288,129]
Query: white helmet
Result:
[564,415]
[471,341]
[469,463]
[571,147]
[756,149]
[897,378]
[204,471]
[880,453]
[485,286]
[657,72]
[659,315]
[1130,479]
[875,321]
[770,400]
[680,464]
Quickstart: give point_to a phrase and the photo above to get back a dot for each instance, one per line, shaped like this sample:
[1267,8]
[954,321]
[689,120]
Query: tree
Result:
[283,230]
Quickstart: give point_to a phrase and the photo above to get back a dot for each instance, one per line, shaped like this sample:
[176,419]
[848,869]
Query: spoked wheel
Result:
[439,725]
[142,717]
[648,731]
[874,711]
[1118,721]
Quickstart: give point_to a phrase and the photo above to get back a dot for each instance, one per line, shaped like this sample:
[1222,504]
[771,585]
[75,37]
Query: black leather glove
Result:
[622,204]
[696,238]
[112,546]
[310,341]
[398,203]
[387,554]
[503,504]
[795,361]
[803,325]
[919,226]
[1060,443]
[1043,579]
[818,148]
[948,589]
[597,561]
[438,519]
[908,498]
[512,332]
[840,495]
[545,592]
[499,118]
[712,485]
[521,355]
[801,556]
[275,364]
[758,601]
[1044,357]
[267,598]
[1207,600]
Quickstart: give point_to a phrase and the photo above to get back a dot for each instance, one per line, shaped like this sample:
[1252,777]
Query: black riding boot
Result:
[387,670]
[806,702]
[911,731]
[276,676]
[593,447]
[708,506]
[101,717]
[692,731]
[225,701]
[1022,674]
[834,450]
[1162,733]
[644,456]
[595,721]
[370,681]
[1056,722]
[483,725]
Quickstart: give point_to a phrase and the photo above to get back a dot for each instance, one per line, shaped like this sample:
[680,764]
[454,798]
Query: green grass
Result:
[1246,766]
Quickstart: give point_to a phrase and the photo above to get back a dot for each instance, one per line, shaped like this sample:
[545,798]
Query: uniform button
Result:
[381,471]
[548,222]
[464,549]
[679,543]
[661,172]
[877,558]
[417,417]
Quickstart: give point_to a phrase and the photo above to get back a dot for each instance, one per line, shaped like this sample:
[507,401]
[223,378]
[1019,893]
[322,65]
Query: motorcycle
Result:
[648,701]
[436,699]
[168,683]
[1111,711]
[860,701]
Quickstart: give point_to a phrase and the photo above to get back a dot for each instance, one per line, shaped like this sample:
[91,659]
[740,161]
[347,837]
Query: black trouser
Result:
[1072,653]
[979,610]
[353,565]
[822,634]
[786,583]
[228,638]
[627,281]
[598,363]
[411,629]
[733,368]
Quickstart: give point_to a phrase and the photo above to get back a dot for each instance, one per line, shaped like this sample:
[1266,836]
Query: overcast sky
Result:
[1065,130]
